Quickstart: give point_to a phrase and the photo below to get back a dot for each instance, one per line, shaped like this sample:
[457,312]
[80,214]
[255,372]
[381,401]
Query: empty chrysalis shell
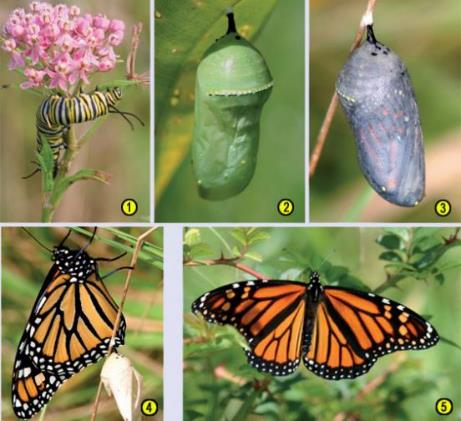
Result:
[377,96]
[233,83]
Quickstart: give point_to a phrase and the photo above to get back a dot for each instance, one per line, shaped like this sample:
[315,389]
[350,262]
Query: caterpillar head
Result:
[117,92]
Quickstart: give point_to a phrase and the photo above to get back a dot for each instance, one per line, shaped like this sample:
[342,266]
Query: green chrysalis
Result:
[233,83]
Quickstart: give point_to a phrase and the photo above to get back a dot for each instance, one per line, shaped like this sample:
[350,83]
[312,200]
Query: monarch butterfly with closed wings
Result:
[339,333]
[70,327]
[57,112]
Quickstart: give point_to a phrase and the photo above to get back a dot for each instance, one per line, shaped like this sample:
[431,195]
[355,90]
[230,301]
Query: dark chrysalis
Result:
[233,83]
[377,96]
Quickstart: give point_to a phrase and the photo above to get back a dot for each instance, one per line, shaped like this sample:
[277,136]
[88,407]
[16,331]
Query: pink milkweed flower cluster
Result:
[57,46]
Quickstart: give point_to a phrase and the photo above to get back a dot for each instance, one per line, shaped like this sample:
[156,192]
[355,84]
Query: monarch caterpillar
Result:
[69,328]
[57,112]
[339,333]
[377,96]
[233,83]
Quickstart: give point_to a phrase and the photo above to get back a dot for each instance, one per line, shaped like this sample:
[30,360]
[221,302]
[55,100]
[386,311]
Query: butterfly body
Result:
[69,328]
[337,332]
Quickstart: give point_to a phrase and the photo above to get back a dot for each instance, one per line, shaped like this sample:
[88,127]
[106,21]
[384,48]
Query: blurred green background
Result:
[114,148]
[24,268]
[184,30]
[427,37]
[220,385]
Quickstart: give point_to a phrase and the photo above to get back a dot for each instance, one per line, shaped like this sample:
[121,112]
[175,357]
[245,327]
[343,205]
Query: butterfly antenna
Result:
[325,259]
[65,238]
[87,244]
[91,239]
[110,259]
[117,270]
[36,239]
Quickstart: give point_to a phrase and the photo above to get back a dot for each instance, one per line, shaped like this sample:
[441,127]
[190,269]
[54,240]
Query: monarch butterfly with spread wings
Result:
[339,333]
[69,328]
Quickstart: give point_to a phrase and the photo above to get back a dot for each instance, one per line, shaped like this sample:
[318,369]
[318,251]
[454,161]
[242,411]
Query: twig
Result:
[134,259]
[222,372]
[231,261]
[372,386]
[367,17]
[131,59]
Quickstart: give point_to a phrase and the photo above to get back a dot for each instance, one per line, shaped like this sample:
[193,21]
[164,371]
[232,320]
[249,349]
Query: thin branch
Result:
[372,386]
[231,261]
[134,259]
[131,59]
[222,372]
[326,124]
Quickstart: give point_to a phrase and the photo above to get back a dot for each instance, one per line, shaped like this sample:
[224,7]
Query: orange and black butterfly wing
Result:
[71,324]
[31,387]
[269,314]
[352,329]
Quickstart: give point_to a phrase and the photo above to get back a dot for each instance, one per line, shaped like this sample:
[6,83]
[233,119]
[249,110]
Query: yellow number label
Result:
[444,406]
[129,207]
[149,407]
[285,207]
[443,207]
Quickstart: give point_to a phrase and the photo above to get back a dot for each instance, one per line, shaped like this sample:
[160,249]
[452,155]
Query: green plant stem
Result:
[49,199]
[52,197]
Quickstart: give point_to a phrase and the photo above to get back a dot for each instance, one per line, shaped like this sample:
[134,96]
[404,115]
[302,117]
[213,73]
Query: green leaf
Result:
[46,163]
[85,174]
[183,31]
[252,255]
[403,233]
[390,256]
[240,235]
[390,241]
[192,237]
[440,278]
[258,235]
[430,257]
[235,251]
[247,406]
[200,250]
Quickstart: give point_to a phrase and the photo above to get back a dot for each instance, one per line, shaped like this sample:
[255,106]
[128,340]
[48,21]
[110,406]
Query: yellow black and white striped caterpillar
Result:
[57,112]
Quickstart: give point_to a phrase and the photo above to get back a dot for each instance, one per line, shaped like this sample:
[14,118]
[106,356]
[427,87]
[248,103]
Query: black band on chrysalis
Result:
[371,35]
[231,24]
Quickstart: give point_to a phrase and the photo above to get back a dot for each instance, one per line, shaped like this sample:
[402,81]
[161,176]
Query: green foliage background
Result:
[24,268]
[184,30]
[426,36]
[220,385]
[113,148]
